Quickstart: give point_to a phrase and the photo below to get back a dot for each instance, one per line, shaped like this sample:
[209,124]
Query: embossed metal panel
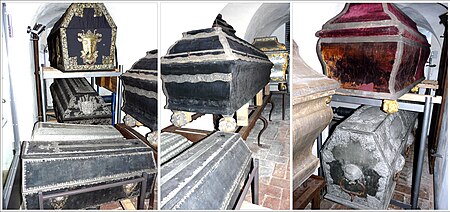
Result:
[374,50]
[207,176]
[56,166]
[277,54]
[140,94]
[75,101]
[363,155]
[213,71]
[83,39]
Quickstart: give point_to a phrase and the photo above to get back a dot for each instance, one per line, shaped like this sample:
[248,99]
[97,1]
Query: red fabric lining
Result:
[363,12]
[374,31]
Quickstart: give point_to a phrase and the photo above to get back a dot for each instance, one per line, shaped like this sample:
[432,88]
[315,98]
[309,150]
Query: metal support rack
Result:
[142,180]
[421,104]
[46,73]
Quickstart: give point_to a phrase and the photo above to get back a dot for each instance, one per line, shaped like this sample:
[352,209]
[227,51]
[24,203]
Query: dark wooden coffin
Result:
[207,176]
[171,145]
[213,71]
[83,39]
[47,131]
[363,155]
[76,102]
[140,94]
[373,50]
[57,166]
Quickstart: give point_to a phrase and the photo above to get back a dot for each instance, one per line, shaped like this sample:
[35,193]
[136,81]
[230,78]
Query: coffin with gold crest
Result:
[83,39]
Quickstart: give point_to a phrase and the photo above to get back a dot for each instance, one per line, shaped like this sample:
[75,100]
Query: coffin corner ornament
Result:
[312,114]
[373,50]
[212,71]
[140,92]
[83,39]
[364,154]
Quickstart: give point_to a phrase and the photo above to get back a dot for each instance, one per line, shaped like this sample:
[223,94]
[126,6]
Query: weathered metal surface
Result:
[57,166]
[172,144]
[363,155]
[75,101]
[374,50]
[140,92]
[209,175]
[311,114]
[213,71]
[46,131]
[277,54]
[83,39]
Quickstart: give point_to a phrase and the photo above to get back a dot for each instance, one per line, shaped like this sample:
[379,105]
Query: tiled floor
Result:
[274,171]
[402,191]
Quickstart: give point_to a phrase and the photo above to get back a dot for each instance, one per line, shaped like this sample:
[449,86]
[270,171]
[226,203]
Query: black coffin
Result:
[213,71]
[140,95]
[75,101]
[83,39]
[207,176]
[57,166]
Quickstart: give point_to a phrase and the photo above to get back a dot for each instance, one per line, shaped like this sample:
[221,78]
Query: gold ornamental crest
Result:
[89,40]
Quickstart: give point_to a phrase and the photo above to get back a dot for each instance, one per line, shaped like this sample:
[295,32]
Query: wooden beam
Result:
[127,204]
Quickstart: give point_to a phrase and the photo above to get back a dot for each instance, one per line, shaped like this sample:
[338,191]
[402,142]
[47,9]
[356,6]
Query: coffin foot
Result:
[390,106]
[129,121]
[152,137]
[181,118]
[227,124]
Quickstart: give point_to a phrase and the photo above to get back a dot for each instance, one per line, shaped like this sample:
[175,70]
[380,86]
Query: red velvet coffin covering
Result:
[374,50]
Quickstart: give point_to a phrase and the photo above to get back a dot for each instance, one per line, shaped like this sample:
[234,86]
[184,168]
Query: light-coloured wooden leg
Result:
[259,98]
[242,115]
[127,204]
[267,89]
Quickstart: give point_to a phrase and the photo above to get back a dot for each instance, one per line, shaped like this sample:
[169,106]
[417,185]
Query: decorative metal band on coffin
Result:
[171,145]
[57,166]
[141,90]
[75,101]
[209,175]
[46,131]
[210,71]
[377,53]
[65,50]
[362,156]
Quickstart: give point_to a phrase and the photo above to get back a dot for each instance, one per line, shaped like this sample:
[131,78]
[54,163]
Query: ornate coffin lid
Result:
[371,19]
[76,9]
[307,83]
[269,44]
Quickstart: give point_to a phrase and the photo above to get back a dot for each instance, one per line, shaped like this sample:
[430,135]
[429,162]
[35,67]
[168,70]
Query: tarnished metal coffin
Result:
[212,71]
[278,55]
[47,131]
[56,166]
[311,114]
[208,175]
[363,155]
[374,50]
[83,39]
[140,94]
[171,145]
[76,102]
